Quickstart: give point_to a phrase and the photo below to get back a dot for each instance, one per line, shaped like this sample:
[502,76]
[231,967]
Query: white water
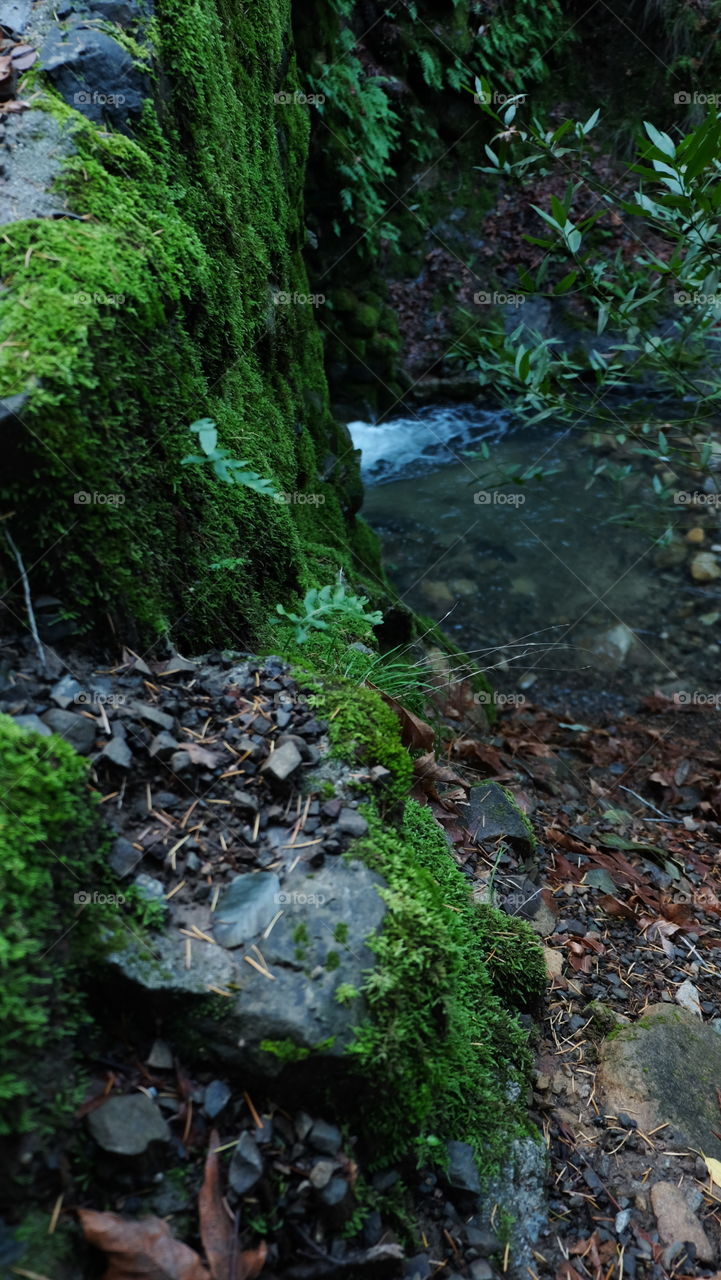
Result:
[426,440]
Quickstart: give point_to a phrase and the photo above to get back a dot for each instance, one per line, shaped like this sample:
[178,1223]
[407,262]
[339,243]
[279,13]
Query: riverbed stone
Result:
[493,812]
[704,567]
[246,907]
[77,730]
[127,1125]
[664,1069]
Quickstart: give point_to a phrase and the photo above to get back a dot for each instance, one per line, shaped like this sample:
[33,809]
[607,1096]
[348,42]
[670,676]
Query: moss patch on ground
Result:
[444,1056]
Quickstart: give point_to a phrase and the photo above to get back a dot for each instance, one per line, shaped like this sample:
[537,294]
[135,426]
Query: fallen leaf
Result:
[200,755]
[416,734]
[140,1249]
[427,768]
[714,1168]
[217,1231]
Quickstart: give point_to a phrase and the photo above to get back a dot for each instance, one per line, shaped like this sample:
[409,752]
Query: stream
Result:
[544,582]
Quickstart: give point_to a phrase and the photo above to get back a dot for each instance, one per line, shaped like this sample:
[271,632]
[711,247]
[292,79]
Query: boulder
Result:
[493,812]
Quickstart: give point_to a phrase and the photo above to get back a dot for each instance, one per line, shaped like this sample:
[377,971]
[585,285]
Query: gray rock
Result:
[480,1270]
[123,858]
[352,823]
[126,1126]
[161,1056]
[150,888]
[325,1137]
[146,711]
[117,752]
[462,1172]
[163,745]
[334,1193]
[65,691]
[283,762]
[33,724]
[492,812]
[75,729]
[246,1167]
[321,1173]
[180,762]
[94,74]
[246,907]
[299,1004]
[15,15]
[120,11]
[217,1096]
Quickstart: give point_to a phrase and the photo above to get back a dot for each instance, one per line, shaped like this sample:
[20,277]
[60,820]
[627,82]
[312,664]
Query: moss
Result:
[443,1055]
[364,320]
[364,731]
[157,309]
[513,958]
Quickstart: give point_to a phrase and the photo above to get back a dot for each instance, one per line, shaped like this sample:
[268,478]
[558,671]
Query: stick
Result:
[28,598]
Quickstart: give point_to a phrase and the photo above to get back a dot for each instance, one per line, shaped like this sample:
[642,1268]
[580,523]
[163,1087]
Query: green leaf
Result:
[660,140]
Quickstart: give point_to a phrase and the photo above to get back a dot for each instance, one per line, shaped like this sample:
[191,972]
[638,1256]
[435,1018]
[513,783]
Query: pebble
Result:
[283,762]
[325,1137]
[246,1166]
[216,1098]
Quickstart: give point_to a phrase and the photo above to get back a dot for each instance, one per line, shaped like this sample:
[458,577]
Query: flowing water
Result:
[543,580]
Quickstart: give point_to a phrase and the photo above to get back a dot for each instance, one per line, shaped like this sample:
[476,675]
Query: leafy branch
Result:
[229,469]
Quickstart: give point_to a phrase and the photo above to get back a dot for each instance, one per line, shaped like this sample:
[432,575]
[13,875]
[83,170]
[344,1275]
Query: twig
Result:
[28,598]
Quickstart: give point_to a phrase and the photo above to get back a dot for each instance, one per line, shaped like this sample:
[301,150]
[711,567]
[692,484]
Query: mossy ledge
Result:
[174,289]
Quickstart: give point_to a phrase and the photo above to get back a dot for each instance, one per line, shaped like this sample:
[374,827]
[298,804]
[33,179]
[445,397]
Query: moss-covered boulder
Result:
[159,280]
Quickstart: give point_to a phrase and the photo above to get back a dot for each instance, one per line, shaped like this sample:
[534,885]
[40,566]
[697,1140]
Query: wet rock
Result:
[123,857]
[325,1137]
[77,730]
[613,646]
[216,1098]
[462,1172]
[704,567]
[663,1069]
[492,812]
[246,1167]
[127,1125]
[245,908]
[283,762]
[352,823]
[677,1223]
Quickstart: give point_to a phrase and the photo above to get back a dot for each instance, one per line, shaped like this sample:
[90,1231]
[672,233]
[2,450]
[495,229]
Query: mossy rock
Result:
[364,320]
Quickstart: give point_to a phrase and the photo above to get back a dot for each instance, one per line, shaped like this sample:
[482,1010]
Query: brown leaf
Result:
[26,58]
[140,1249]
[614,907]
[216,1229]
[416,734]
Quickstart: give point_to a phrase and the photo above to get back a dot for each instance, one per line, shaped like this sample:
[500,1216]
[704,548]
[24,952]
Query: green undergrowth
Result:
[171,295]
[442,1052]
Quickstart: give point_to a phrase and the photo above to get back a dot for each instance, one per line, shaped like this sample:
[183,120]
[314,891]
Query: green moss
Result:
[157,309]
[332,961]
[364,731]
[444,1056]
[288,1051]
[513,958]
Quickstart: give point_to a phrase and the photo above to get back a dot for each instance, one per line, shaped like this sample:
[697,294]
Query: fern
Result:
[229,469]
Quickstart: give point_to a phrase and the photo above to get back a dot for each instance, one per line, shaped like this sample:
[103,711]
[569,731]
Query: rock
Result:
[704,567]
[163,745]
[246,1167]
[283,762]
[180,762]
[321,1173]
[122,12]
[33,724]
[553,961]
[299,1005]
[146,711]
[126,1126]
[123,857]
[493,812]
[217,1096]
[352,823]
[480,1270]
[688,998]
[325,1137]
[65,692]
[677,1224]
[246,907]
[94,74]
[462,1172]
[695,535]
[613,646]
[334,1193]
[15,14]
[663,1069]
[77,730]
[160,1056]
[117,752]
[150,888]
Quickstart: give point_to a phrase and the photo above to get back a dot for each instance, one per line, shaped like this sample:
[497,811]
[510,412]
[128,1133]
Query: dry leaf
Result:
[140,1249]
[217,1231]
[416,734]
[714,1169]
